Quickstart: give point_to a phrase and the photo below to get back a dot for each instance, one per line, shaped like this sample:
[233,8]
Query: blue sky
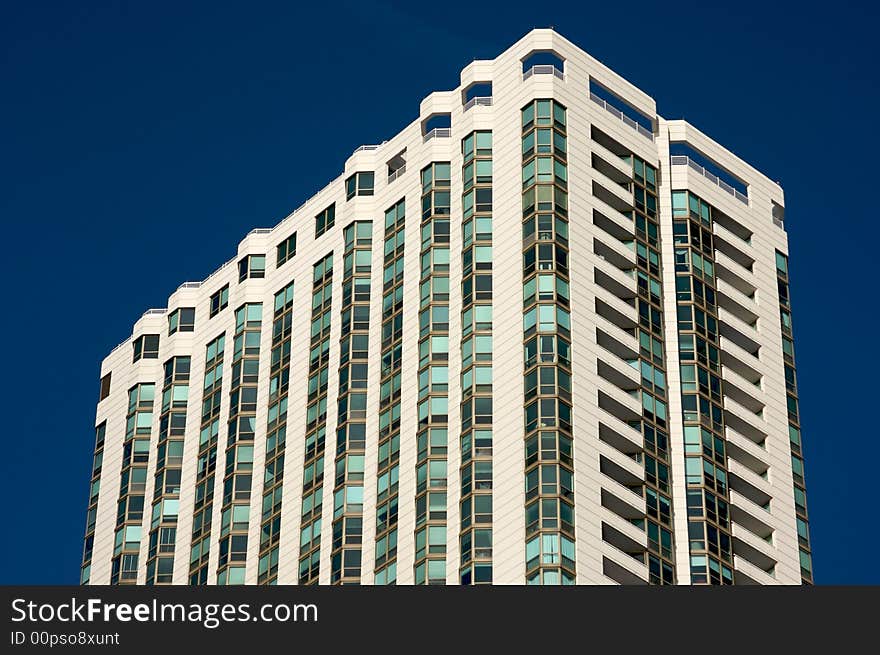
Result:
[124,123]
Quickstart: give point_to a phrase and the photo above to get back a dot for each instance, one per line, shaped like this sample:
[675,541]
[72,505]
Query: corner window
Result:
[219,301]
[105,387]
[182,320]
[359,184]
[325,220]
[543,113]
[100,432]
[286,250]
[252,266]
[542,62]
[249,315]
[146,346]
[781,264]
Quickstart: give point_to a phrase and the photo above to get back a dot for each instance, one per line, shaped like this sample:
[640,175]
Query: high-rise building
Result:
[542,335]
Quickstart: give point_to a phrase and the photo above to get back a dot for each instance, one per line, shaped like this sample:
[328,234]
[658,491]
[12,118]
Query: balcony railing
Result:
[260,230]
[185,285]
[544,69]
[367,148]
[118,346]
[155,312]
[478,101]
[684,160]
[626,119]
[393,175]
[438,132]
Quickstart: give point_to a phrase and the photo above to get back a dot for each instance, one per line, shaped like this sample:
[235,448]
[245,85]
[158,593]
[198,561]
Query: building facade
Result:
[541,336]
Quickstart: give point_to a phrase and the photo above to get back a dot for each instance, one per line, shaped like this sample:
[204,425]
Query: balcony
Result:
[621,163]
[396,166]
[619,373]
[746,452]
[478,101]
[612,341]
[741,333]
[737,359]
[753,548]
[744,421]
[543,69]
[621,500]
[759,481]
[396,173]
[749,485]
[732,231]
[734,247]
[634,534]
[620,217]
[438,133]
[620,569]
[156,311]
[619,284]
[742,391]
[615,253]
[778,215]
[618,174]
[625,472]
[617,198]
[619,435]
[618,226]
[620,404]
[736,301]
[746,513]
[624,536]
[746,573]
[619,114]
[734,274]
[618,313]
[683,160]
[617,194]
[730,302]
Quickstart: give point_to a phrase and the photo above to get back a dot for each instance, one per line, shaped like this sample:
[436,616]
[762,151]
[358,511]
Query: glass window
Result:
[781,263]
[219,301]
[326,219]
[359,184]
[146,346]
[806,562]
[286,250]
[182,320]
[794,435]
[252,266]
[105,387]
